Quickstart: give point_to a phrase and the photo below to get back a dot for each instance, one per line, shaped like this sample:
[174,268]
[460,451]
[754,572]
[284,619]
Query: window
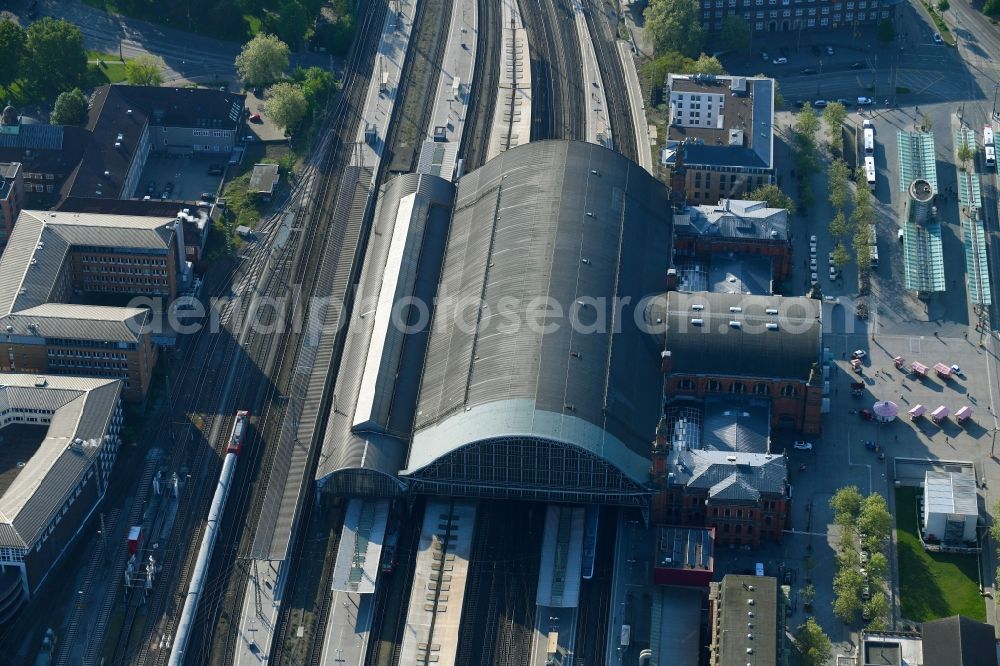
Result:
[788,391]
[685,385]
[760,388]
[737,387]
[774,13]
[824,21]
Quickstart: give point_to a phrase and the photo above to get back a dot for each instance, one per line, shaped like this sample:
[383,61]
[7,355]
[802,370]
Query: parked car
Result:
[205,196]
[802,446]
[820,104]
[866,415]
[865,101]
[834,273]
[764,56]
[151,188]
[859,353]
[255,118]
[781,61]
[829,50]
[845,102]
[956,370]
[937,38]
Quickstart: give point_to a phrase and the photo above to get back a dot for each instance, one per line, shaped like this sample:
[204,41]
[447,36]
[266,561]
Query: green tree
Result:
[837,177]
[316,84]
[263,60]
[965,153]
[674,25]
[144,70]
[735,35]
[286,105]
[814,645]
[926,122]
[878,566]
[807,594]
[943,5]
[13,46]
[841,257]
[885,32]
[774,197]
[838,225]
[992,8]
[846,505]
[877,611]
[292,22]
[806,121]
[834,116]
[706,64]
[70,108]
[847,586]
[57,61]
[862,246]
[874,521]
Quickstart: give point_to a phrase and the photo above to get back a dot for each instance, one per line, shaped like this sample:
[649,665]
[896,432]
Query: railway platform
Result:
[439,151]
[512,112]
[438,593]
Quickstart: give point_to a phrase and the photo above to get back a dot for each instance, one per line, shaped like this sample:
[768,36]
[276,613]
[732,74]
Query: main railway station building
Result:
[512,338]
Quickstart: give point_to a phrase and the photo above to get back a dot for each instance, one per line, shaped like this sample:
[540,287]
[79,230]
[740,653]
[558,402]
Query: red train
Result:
[239,432]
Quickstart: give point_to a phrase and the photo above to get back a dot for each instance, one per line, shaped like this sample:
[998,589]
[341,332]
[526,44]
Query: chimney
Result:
[666,361]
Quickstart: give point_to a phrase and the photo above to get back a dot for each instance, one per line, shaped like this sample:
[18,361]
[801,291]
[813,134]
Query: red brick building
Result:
[764,347]
[735,226]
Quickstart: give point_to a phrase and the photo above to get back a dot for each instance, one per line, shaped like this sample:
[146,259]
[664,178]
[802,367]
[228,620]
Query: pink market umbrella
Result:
[885,410]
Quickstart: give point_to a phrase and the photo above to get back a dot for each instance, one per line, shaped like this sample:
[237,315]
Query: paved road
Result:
[188,56]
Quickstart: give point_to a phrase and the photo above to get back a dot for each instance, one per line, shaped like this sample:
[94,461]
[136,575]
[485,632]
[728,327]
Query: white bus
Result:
[869,141]
[870,171]
[989,147]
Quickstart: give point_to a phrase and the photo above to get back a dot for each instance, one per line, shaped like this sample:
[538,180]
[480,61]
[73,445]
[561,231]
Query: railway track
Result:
[602,22]
[497,624]
[420,71]
[259,349]
[392,596]
[485,78]
[595,596]
[556,70]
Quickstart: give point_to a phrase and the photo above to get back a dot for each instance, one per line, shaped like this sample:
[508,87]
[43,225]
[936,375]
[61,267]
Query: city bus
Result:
[870,172]
[989,147]
[869,134]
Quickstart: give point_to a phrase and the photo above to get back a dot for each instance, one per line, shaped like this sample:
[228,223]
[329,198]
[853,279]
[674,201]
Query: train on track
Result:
[186,624]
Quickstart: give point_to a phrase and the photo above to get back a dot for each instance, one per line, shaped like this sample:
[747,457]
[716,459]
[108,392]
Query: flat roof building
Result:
[951,509]
[263,180]
[54,469]
[748,621]
[684,556]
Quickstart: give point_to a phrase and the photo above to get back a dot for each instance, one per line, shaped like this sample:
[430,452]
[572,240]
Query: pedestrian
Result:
[946,439]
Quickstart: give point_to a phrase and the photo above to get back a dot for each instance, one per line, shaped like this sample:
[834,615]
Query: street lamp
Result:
[994,443]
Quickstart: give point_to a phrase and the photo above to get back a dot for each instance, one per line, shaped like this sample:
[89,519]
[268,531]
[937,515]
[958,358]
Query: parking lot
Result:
[188,175]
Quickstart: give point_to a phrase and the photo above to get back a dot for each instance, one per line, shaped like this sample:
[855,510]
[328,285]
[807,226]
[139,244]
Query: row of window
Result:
[28,187]
[216,133]
[760,388]
[87,259]
[116,356]
[862,4]
[34,175]
[69,342]
[81,369]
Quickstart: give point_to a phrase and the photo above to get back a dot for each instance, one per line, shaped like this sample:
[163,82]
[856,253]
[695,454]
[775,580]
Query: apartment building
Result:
[11,198]
[720,138]
[795,15]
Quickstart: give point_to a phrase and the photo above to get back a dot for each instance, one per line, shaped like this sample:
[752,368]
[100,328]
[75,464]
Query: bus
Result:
[870,172]
[869,141]
[989,147]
